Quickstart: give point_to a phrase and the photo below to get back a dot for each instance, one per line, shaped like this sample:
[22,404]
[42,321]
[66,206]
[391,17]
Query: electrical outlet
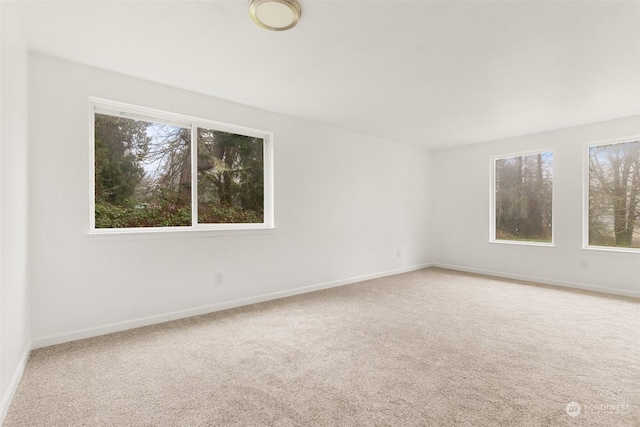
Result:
[584,264]
[398,253]
[218,279]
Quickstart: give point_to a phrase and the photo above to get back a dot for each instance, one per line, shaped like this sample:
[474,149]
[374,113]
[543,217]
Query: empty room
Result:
[319,213]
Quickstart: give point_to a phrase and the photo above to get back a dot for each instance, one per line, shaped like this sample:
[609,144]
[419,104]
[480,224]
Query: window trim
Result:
[586,161]
[129,111]
[492,199]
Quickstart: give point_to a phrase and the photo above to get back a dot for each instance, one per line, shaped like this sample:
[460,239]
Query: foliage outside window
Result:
[144,163]
[614,195]
[523,191]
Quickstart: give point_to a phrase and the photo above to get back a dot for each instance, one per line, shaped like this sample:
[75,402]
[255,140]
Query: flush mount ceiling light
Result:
[276,15]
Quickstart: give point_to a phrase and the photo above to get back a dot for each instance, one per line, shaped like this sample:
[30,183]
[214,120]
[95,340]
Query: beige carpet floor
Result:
[427,348]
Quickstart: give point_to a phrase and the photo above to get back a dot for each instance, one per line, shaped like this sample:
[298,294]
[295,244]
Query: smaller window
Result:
[614,195]
[522,198]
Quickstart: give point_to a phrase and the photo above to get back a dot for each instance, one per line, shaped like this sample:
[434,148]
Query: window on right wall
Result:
[522,198]
[614,195]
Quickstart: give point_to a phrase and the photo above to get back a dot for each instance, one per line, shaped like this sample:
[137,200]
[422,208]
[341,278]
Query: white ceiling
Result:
[428,73]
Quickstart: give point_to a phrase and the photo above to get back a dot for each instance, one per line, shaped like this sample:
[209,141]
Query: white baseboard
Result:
[152,320]
[545,281]
[13,385]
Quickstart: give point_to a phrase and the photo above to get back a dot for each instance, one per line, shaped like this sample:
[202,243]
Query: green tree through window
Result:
[524,197]
[614,195]
[230,177]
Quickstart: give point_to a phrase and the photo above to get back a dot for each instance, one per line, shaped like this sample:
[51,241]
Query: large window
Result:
[522,198]
[155,170]
[614,194]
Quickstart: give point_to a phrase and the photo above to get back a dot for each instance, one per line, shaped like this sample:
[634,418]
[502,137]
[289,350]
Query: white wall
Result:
[344,205]
[14,299]
[461,214]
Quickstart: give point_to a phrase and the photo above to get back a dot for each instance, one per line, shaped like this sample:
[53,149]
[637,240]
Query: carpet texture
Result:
[426,348]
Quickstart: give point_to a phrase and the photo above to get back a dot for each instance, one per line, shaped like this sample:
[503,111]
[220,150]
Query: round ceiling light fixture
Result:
[275,15]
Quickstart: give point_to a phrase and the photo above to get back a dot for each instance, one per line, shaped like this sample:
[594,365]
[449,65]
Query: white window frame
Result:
[120,109]
[492,199]
[586,162]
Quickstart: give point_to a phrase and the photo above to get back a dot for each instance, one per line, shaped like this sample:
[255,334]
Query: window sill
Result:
[634,251]
[174,233]
[523,243]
